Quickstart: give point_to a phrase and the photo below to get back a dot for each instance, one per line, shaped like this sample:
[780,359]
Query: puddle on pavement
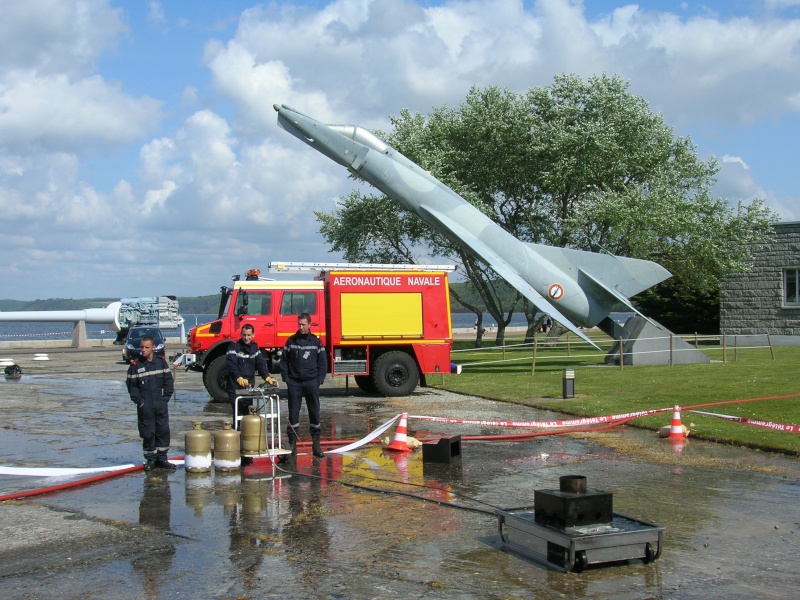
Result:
[729,533]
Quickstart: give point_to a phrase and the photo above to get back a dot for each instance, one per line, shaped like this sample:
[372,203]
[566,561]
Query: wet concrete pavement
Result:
[731,517]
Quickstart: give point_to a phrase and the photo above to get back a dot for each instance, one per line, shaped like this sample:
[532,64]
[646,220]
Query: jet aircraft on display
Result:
[575,287]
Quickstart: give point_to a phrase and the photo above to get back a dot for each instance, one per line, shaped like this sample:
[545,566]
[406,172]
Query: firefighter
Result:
[150,386]
[303,368]
[243,360]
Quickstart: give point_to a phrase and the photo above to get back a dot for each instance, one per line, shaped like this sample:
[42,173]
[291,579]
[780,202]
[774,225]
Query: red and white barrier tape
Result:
[546,424]
[754,422]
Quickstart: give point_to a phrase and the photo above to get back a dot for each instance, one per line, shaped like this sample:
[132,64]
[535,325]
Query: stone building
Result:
[767,298]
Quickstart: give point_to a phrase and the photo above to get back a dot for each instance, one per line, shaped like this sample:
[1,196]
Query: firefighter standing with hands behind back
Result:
[243,360]
[150,386]
[303,368]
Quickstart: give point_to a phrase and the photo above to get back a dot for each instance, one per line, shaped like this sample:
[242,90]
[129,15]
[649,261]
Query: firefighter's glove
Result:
[243,382]
[271,381]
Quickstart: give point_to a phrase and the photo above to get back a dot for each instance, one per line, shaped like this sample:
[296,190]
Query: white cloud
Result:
[788,207]
[692,69]
[50,99]
[781,4]
[222,188]
[735,180]
[735,160]
[213,179]
[156,199]
[57,36]
[369,59]
[155,17]
[56,113]
[255,87]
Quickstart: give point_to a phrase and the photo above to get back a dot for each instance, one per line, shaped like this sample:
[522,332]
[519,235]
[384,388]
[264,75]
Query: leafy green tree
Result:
[583,164]
[681,307]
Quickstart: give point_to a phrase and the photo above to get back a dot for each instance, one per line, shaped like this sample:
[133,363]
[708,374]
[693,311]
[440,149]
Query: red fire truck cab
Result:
[387,326]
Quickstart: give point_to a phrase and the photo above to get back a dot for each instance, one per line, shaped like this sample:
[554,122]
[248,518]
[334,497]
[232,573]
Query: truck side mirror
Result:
[242,310]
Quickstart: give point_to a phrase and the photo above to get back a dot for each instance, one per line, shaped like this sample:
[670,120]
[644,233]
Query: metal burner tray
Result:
[575,548]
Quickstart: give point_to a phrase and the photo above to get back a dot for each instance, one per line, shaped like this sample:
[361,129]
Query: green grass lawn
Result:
[607,390]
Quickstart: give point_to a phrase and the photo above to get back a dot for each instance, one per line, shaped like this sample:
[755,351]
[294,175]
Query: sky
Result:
[140,153]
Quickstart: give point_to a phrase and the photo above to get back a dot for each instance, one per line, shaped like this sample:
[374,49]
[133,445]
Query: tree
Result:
[681,307]
[583,164]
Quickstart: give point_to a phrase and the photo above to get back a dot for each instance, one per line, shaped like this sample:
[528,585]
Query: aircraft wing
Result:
[503,269]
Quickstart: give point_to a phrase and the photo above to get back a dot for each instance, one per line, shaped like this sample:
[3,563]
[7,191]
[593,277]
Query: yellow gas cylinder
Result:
[254,439]
[198,449]
[227,453]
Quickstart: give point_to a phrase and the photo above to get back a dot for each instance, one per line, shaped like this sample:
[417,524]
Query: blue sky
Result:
[139,153]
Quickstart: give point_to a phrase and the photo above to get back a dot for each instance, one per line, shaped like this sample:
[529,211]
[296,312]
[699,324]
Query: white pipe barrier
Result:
[97,316]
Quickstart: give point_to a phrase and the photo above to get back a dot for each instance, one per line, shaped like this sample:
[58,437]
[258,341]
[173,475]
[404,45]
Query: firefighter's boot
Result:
[292,441]
[316,449]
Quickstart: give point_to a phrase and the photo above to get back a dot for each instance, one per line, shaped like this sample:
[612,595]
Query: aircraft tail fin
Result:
[608,296]
[621,277]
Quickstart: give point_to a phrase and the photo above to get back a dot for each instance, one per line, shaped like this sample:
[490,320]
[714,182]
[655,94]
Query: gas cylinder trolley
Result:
[261,428]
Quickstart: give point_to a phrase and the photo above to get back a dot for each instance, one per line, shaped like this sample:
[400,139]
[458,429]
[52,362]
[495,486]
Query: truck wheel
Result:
[395,374]
[364,383]
[215,378]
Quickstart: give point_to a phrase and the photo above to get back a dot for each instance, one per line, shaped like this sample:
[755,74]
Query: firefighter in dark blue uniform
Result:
[150,386]
[243,359]
[304,365]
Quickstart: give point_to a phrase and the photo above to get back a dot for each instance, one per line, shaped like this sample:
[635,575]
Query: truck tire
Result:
[395,374]
[364,383]
[215,378]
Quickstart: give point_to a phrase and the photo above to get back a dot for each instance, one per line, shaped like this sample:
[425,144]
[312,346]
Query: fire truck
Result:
[387,326]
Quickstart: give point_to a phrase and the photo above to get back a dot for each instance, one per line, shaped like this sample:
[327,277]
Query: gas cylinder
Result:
[198,449]
[227,453]
[254,439]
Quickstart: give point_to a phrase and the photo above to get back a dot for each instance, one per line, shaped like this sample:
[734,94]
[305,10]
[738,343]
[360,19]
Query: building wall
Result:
[752,303]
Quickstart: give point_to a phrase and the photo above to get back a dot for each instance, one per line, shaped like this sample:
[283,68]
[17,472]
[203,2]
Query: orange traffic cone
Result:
[676,429]
[399,444]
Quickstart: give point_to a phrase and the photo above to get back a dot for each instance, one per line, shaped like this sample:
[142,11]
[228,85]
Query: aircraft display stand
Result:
[267,402]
